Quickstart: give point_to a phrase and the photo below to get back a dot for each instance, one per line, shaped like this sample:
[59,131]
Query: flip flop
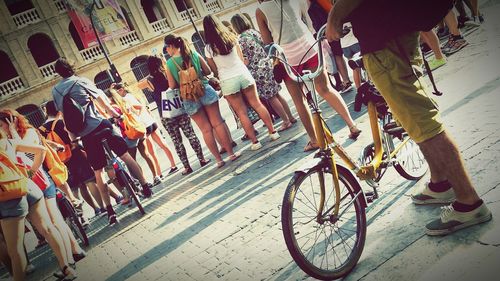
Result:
[205,162]
[310,147]
[285,126]
[173,170]
[354,134]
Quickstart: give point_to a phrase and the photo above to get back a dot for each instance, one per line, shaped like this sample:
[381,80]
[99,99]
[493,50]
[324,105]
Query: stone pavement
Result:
[225,224]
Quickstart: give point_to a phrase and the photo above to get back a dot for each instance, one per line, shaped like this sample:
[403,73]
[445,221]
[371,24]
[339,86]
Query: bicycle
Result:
[336,217]
[72,217]
[121,174]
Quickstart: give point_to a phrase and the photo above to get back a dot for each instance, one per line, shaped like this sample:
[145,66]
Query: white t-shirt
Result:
[145,117]
[229,65]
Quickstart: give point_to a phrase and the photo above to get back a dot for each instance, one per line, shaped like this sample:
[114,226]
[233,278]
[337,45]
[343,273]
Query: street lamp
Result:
[112,68]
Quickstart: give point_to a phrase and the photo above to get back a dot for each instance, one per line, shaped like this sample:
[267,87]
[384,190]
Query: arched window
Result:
[103,80]
[75,36]
[16,7]
[127,18]
[152,10]
[198,43]
[8,70]
[33,113]
[42,49]
[139,67]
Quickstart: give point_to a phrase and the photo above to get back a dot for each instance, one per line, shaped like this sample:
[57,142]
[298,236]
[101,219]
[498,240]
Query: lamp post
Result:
[112,68]
[192,22]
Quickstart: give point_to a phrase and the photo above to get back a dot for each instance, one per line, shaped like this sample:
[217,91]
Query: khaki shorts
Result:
[406,95]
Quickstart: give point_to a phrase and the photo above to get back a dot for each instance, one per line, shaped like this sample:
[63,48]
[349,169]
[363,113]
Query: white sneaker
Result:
[256,146]
[452,220]
[274,136]
[427,196]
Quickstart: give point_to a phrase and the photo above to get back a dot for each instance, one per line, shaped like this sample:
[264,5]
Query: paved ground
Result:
[225,224]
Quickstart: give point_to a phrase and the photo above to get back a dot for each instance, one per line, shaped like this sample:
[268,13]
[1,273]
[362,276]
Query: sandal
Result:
[173,170]
[63,274]
[205,162]
[235,156]
[355,132]
[310,147]
[285,126]
[220,164]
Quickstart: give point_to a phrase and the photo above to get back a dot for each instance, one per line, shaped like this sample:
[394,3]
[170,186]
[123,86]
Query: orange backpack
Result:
[65,155]
[13,183]
[191,87]
[56,168]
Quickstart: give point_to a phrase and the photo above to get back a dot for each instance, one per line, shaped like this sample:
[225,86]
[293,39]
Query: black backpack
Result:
[74,113]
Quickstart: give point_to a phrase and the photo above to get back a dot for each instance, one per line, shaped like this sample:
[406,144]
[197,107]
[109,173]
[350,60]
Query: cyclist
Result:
[389,61]
[81,90]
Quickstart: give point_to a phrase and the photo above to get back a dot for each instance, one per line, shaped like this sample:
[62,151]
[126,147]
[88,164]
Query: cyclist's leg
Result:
[94,191]
[84,190]
[67,190]
[251,95]
[13,232]
[133,167]
[305,116]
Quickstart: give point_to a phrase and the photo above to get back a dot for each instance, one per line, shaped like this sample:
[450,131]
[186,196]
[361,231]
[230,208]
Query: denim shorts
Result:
[350,51]
[19,207]
[50,191]
[210,97]
[234,85]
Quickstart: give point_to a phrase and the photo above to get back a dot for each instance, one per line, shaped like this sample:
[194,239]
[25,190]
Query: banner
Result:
[108,19]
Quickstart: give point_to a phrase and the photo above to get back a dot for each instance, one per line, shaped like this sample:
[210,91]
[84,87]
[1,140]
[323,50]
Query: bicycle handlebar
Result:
[275,51]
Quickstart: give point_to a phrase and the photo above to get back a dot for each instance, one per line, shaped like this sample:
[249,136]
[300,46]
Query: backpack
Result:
[13,183]
[65,155]
[191,87]
[133,128]
[55,167]
[74,113]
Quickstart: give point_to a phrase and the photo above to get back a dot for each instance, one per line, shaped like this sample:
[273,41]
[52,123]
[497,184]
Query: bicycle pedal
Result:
[370,196]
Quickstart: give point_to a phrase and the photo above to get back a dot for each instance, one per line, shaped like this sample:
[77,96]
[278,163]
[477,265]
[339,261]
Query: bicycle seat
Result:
[367,93]
[356,61]
[103,133]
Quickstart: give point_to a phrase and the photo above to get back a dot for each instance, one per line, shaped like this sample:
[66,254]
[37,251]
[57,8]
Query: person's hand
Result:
[12,127]
[112,86]
[334,30]
[60,148]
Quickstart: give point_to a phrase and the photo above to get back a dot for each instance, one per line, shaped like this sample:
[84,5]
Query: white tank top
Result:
[296,38]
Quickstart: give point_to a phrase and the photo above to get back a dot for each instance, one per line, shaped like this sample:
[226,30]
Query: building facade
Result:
[35,33]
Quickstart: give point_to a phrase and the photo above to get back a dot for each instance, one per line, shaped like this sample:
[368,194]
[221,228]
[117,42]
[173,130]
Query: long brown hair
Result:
[182,44]
[220,39]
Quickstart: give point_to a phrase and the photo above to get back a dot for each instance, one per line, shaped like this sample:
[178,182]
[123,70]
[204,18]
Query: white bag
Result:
[171,103]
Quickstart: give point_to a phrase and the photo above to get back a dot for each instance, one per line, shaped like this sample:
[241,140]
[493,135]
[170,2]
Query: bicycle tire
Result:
[410,163]
[73,221]
[130,186]
[291,228]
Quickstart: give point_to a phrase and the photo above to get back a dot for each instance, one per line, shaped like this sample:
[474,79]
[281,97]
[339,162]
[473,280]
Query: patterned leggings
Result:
[173,126]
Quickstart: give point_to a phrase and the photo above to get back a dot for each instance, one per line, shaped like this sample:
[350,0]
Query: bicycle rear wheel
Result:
[328,250]
[73,220]
[410,162]
[131,189]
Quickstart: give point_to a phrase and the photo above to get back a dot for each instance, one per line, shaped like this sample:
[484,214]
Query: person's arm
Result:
[337,16]
[240,53]
[205,69]
[267,37]
[105,103]
[172,84]
[37,150]
[55,145]
[210,60]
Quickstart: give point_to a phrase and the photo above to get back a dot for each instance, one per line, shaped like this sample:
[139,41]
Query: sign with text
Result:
[171,103]
[108,18]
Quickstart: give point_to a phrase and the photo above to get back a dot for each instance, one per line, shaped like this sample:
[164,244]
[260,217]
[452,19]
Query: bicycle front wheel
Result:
[410,162]
[328,248]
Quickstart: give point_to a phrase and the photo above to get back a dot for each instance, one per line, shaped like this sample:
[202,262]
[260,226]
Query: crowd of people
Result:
[234,65]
